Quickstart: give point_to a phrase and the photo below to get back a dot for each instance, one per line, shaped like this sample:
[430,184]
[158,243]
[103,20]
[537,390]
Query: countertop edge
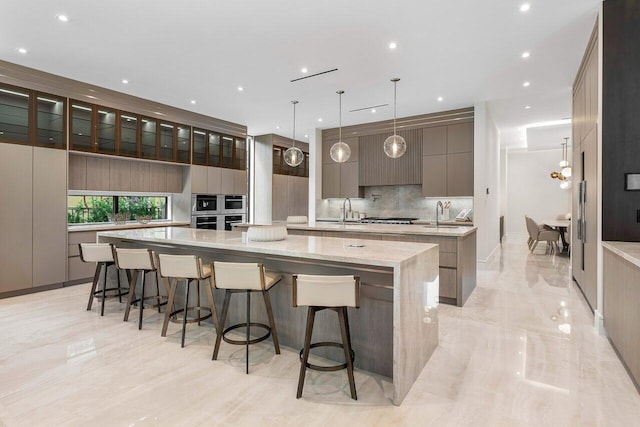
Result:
[615,248]
[128,226]
[377,229]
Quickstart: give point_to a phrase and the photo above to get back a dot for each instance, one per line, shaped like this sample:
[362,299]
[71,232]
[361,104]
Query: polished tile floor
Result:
[522,352]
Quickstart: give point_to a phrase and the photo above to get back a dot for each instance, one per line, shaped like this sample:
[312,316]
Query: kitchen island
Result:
[457,247]
[395,330]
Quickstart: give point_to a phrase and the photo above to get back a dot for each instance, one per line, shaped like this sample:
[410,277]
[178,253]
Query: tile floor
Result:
[522,352]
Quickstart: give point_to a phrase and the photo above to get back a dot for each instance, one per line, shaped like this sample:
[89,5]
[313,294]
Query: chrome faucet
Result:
[441,210]
[344,211]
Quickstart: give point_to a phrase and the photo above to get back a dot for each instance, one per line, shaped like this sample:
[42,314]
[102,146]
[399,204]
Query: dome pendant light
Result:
[340,151]
[293,156]
[395,145]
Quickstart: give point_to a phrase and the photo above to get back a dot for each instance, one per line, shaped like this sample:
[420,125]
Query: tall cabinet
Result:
[584,232]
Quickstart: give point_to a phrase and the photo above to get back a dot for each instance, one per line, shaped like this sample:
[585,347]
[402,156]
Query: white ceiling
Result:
[175,51]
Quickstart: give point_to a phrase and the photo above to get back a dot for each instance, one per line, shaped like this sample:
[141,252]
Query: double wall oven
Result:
[217,211]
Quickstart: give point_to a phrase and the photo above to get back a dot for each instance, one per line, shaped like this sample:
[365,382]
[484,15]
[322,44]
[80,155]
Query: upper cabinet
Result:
[32,118]
[219,150]
[281,168]
[341,179]
[376,168]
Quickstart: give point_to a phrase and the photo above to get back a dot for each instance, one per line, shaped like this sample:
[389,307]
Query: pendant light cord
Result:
[293,139]
[395,90]
[340,109]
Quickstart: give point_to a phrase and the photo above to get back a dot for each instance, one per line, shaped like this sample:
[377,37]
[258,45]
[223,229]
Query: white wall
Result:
[531,191]
[262,181]
[315,172]
[486,189]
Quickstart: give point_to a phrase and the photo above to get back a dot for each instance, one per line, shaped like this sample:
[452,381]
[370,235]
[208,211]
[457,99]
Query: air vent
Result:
[368,108]
[314,75]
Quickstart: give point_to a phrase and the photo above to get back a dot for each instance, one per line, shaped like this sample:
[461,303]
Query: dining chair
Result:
[537,234]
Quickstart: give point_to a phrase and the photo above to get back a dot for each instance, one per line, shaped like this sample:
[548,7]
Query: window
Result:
[93,208]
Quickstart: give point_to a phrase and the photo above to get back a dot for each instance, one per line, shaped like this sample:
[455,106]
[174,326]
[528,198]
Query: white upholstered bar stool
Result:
[334,293]
[237,277]
[140,261]
[191,269]
[102,255]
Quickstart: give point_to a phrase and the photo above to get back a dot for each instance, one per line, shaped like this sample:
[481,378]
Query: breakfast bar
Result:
[395,330]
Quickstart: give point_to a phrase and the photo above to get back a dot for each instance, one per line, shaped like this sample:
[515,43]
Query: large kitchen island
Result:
[395,330]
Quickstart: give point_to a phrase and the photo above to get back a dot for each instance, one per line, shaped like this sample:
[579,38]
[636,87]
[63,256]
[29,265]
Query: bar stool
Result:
[140,261]
[190,269]
[236,277]
[334,293]
[101,254]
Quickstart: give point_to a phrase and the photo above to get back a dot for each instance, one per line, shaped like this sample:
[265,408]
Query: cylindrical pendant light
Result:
[566,167]
[340,151]
[293,156]
[395,145]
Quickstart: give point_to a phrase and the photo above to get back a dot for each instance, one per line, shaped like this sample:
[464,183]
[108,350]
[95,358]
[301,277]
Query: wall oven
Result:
[205,222]
[205,204]
[229,220]
[234,204]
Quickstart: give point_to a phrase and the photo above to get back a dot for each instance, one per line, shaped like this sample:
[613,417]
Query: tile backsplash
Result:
[394,201]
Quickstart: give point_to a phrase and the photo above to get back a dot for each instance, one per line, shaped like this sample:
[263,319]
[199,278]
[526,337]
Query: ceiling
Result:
[173,52]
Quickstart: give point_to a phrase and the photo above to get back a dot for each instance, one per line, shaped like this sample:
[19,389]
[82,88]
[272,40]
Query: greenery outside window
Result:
[86,209]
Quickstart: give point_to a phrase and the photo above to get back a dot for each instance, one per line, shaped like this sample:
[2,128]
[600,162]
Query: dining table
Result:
[561,225]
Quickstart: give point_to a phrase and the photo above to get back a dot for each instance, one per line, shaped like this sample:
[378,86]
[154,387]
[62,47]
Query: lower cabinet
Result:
[76,269]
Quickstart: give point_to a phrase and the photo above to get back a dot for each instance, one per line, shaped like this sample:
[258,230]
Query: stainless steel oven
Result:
[205,204]
[234,204]
[206,222]
[229,220]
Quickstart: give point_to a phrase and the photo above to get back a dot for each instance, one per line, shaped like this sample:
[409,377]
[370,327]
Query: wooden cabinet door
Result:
[98,174]
[330,180]
[140,177]
[434,140]
[49,216]
[298,196]
[77,172]
[227,181]
[590,273]
[174,179]
[460,174]
[448,283]
[349,180]
[460,138]
[434,176]
[199,179]
[240,182]
[16,199]
[157,178]
[279,197]
[214,180]
[119,175]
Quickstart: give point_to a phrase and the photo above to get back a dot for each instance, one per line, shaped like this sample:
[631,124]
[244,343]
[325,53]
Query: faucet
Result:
[344,211]
[438,211]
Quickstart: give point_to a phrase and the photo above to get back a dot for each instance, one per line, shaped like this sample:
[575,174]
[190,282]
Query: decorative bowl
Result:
[119,218]
[143,219]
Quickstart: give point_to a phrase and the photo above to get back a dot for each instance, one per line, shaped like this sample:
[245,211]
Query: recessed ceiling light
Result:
[393,45]
[306,136]
[526,84]
[320,119]
[125,81]
[527,106]
[22,50]
[525,7]
[193,101]
[440,99]
[373,110]
[63,18]
[525,55]
[240,88]
[304,70]
[277,127]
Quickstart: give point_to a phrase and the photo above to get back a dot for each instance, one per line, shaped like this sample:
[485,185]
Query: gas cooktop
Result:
[384,220]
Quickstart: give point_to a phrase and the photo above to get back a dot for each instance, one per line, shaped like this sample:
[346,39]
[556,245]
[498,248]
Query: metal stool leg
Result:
[144,274]
[223,319]
[172,296]
[272,323]
[346,345]
[198,292]
[132,293]
[119,286]
[311,314]
[186,304]
[104,288]
[96,279]
[158,300]
[248,328]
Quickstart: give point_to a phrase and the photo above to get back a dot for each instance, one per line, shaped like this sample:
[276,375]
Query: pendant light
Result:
[293,156]
[395,145]
[566,168]
[340,151]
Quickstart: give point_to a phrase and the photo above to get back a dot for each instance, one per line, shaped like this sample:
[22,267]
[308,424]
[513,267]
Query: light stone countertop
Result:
[411,229]
[629,251]
[129,225]
[369,252]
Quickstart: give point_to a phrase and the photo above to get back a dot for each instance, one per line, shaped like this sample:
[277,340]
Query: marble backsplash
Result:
[394,201]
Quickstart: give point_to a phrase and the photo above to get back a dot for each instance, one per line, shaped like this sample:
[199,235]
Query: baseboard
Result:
[44,288]
[598,323]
